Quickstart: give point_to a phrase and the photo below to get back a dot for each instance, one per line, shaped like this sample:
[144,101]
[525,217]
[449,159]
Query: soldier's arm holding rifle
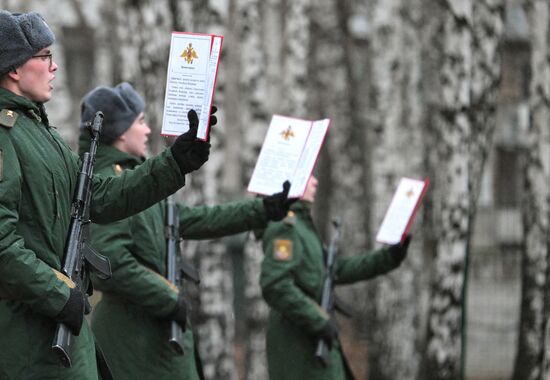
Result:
[207,222]
[347,270]
[79,257]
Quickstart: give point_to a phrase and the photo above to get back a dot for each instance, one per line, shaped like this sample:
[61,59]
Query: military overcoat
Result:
[292,279]
[131,321]
[38,173]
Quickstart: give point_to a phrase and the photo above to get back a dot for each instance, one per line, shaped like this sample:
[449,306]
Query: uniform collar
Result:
[107,154]
[301,207]
[14,102]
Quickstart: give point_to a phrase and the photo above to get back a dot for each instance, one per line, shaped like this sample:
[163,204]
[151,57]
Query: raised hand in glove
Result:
[329,333]
[277,205]
[180,311]
[190,153]
[399,250]
[72,314]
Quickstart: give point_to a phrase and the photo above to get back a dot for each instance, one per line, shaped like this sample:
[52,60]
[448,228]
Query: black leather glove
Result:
[213,120]
[190,153]
[277,205]
[180,312]
[329,333]
[72,314]
[399,250]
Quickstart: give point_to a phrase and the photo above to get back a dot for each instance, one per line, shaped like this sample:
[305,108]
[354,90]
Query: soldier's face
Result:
[34,78]
[311,190]
[134,140]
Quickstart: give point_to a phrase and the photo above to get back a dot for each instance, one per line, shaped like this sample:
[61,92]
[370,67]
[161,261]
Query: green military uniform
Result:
[131,321]
[38,173]
[292,280]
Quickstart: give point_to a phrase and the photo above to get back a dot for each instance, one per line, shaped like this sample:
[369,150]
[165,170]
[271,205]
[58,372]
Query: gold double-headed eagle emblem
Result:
[189,54]
[287,133]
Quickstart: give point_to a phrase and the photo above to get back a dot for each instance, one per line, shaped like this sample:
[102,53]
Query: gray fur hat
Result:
[22,35]
[121,105]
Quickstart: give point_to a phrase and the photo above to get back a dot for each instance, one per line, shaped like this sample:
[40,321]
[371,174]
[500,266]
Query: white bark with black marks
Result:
[397,145]
[533,350]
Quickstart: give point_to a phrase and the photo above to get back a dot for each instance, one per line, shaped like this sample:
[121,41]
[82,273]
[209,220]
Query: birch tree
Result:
[461,144]
[396,112]
[143,32]
[532,342]
[328,98]
[295,57]
[340,89]
[274,41]
[216,323]
[451,124]
[254,106]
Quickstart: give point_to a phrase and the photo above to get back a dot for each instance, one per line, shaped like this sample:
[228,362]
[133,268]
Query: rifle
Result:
[79,257]
[327,298]
[177,268]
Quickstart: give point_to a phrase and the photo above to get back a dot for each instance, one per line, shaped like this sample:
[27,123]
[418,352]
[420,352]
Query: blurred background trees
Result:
[457,90]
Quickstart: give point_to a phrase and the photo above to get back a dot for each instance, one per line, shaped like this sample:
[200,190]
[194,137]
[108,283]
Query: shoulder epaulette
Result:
[8,118]
[290,218]
[118,169]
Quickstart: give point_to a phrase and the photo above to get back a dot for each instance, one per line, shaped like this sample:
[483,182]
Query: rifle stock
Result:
[78,256]
[322,352]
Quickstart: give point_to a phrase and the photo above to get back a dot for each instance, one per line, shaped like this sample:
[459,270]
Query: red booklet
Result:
[289,152]
[403,207]
[190,81]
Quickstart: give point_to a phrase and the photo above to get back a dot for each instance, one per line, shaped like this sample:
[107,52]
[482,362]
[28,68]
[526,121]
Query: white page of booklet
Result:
[400,211]
[308,158]
[289,152]
[202,132]
[186,80]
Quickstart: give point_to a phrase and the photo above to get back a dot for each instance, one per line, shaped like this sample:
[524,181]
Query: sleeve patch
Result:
[282,250]
[290,218]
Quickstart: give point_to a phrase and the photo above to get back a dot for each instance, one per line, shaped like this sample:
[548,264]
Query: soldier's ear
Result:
[13,74]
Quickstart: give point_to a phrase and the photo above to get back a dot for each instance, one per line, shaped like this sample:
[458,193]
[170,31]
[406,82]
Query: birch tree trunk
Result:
[396,150]
[532,347]
[254,118]
[256,314]
[295,57]
[488,29]
[143,31]
[339,80]
[462,140]
[271,49]
[216,322]
[327,98]
[451,123]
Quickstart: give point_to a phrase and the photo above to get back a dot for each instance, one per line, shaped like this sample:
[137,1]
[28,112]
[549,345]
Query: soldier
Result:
[38,173]
[132,320]
[292,281]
